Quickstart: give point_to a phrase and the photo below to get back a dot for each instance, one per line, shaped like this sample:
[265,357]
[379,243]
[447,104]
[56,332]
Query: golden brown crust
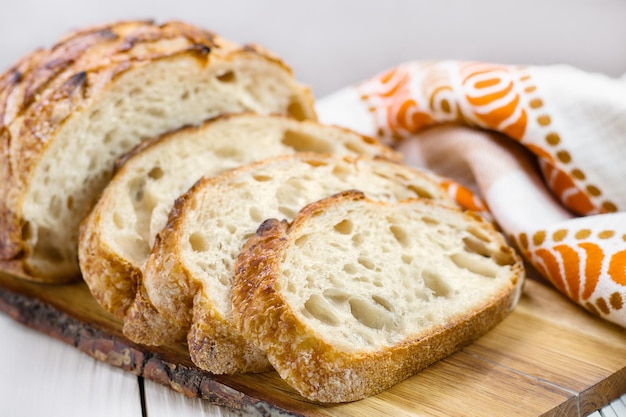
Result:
[313,367]
[214,348]
[40,93]
[144,324]
[102,268]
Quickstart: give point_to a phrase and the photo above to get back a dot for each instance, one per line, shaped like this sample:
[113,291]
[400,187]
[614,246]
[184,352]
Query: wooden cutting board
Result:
[549,357]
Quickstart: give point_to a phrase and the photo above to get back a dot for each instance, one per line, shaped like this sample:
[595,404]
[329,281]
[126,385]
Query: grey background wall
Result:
[331,43]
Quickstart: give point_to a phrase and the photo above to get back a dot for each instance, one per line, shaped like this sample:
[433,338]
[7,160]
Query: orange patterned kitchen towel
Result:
[545,147]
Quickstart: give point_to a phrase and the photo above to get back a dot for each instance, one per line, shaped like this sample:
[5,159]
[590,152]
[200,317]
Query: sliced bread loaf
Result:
[189,273]
[357,295]
[69,111]
[117,236]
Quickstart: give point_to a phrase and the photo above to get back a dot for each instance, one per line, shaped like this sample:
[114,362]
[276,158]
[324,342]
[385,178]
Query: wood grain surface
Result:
[549,357]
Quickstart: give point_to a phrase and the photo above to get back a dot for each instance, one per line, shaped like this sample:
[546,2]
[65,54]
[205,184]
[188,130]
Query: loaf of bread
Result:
[188,275]
[117,235]
[67,112]
[357,295]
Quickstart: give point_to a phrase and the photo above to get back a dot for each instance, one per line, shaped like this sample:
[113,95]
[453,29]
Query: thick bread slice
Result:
[116,237]
[355,296]
[69,111]
[189,273]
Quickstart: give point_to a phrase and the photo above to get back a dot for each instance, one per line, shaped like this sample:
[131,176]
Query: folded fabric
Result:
[545,147]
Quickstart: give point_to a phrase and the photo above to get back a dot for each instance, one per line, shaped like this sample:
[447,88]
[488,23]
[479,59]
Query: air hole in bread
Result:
[296,110]
[337,296]
[344,227]
[185,95]
[136,91]
[301,241]
[226,77]
[314,162]
[420,192]
[341,171]
[370,314]
[318,307]
[429,220]
[420,295]
[27,231]
[435,283]
[356,147]
[54,206]
[358,239]
[156,112]
[126,144]
[94,116]
[305,143]
[198,242]
[475,263]
[227,152]
[287,212]
[407,259]
[228,265]
[255,214]
[366,262]
[478,234]
[400,234]
[262,178]
[93,162]
[350,269]
[382,301]
[108,137]
[504,257]
[118,220]
[137,194]
[155,173]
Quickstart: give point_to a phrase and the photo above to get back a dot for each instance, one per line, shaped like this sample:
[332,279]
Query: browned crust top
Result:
[40,92]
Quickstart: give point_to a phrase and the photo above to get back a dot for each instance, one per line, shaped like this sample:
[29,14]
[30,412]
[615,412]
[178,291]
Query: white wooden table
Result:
[329,44]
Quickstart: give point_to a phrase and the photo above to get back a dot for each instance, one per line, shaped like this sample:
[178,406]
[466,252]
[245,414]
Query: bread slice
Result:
[357,295]
[189,273]
[118,234]
[69,111]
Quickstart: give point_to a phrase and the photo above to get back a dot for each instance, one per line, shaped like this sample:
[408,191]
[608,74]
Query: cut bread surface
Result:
[117,235]
[73,109]
[188,276]
[356,295]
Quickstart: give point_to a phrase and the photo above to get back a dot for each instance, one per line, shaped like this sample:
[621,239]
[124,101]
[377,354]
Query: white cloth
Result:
[543,146]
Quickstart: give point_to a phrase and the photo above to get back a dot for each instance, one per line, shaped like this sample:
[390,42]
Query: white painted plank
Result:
[608,411]
[162,401]
[42,376]
[619,406]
